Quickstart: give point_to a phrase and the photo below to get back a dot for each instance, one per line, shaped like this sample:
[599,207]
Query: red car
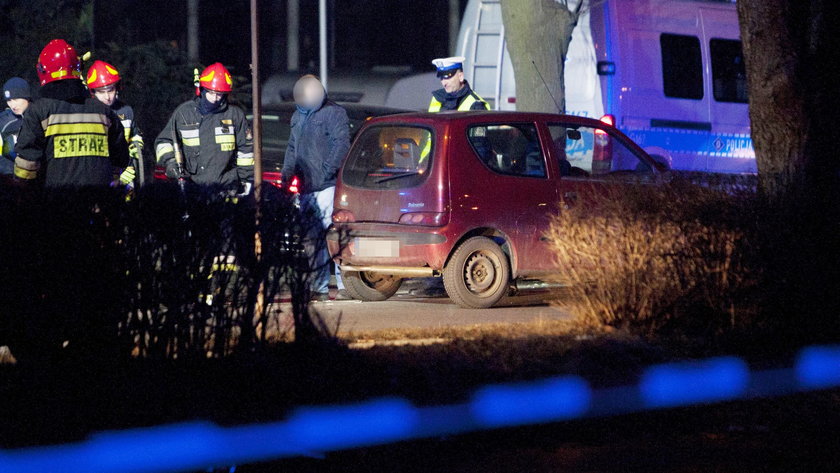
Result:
[467,196]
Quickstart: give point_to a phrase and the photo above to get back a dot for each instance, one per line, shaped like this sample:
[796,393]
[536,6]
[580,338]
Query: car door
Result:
[521,187]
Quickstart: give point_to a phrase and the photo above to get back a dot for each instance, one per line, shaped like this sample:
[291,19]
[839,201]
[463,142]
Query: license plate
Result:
[376,248]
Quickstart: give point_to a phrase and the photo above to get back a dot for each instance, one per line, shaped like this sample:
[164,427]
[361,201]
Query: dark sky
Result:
[367,32]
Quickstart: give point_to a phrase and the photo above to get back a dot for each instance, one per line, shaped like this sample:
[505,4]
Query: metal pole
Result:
[293,35]
[322,32]
[256,99]
[256,130]
[454,25]
[192,30]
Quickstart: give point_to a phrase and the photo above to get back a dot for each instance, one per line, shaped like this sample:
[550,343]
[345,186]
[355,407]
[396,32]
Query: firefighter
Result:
[456,93]
[103,82]
[18,96]
[68,137]
[214,137]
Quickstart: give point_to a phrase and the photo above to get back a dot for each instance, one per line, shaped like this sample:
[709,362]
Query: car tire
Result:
[478,274]
[370,286]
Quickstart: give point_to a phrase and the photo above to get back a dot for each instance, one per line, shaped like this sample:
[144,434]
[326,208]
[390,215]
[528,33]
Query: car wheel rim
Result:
[481,273]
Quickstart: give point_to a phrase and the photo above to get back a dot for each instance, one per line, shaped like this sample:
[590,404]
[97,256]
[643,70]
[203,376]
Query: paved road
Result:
[405,311]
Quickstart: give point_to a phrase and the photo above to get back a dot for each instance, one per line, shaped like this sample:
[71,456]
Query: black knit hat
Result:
[16,88]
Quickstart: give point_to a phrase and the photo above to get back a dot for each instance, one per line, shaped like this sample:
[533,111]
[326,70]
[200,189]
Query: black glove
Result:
[172,170]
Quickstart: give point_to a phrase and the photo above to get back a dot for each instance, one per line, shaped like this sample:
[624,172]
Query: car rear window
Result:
[390,157]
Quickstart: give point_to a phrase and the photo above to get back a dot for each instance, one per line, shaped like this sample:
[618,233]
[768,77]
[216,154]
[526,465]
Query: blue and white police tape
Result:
[316,430]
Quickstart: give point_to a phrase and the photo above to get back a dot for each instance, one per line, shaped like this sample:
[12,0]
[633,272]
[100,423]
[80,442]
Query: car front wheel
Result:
[478,274]
[370,286]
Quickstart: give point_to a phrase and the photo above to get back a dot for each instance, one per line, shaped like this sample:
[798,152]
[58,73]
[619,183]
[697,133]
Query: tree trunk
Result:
[793,94]
[538,33]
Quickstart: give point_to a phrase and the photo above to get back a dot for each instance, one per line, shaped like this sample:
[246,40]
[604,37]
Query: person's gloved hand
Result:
[172,170]
[128,175]
[135,150]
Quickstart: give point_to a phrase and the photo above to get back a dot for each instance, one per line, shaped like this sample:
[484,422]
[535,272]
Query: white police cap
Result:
[449,63]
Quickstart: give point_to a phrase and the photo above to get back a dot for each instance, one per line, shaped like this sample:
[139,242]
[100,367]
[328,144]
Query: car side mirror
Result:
[573,135]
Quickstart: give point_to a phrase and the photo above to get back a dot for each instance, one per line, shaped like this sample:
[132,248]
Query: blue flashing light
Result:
[818,367]
[678,384]
[544,401]
[370,423]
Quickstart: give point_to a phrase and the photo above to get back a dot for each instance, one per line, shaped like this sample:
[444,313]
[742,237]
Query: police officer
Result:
[103,82]
[456,93]
[17,94]
[213,135]
[67,136]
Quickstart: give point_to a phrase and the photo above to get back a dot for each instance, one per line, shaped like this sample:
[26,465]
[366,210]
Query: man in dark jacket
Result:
[319,139]
[68,136]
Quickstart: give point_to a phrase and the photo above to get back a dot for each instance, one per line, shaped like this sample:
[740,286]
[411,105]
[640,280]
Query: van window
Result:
[390,157]
[584,151]
[682,66]
[512,149]
[729,75]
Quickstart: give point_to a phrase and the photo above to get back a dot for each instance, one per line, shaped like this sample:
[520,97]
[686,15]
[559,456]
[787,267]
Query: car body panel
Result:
[513,210]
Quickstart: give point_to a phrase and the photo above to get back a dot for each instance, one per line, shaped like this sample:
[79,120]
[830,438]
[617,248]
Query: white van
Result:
[668,73]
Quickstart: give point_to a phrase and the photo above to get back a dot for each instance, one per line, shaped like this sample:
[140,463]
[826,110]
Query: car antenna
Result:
[556,104]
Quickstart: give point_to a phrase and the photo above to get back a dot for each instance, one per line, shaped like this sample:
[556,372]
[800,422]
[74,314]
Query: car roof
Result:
[487,116]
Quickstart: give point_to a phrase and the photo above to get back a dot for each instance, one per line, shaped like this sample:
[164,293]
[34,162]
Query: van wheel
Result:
[478,274]
[370,286]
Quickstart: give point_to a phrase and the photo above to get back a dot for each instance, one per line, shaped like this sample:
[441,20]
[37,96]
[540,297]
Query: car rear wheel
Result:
[478,274]
[370,286]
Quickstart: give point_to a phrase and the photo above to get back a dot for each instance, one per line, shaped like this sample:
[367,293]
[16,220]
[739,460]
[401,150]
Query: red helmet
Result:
[58,61]
[216,78]
[101,74]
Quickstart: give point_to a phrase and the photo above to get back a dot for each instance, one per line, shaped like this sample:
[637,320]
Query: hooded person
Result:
[214,137]
[18,96]
[319,140]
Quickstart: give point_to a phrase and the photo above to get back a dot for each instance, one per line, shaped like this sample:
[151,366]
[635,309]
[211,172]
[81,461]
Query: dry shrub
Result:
[677,256]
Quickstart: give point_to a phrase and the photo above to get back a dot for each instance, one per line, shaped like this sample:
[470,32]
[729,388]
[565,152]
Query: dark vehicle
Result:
[276,128]
[468,196]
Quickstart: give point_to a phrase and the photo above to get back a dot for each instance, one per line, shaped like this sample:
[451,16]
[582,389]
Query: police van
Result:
[668,73]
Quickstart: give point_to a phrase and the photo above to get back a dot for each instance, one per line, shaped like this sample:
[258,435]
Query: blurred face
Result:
[18,106]
[452,81]
[106,95]
[214,97]
[308,92]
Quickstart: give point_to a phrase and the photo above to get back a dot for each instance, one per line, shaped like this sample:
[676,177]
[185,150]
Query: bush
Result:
[679,256]
[166,275]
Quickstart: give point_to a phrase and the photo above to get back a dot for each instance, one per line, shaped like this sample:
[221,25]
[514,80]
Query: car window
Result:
[584,151]
[509,149]
[729,75]
[682,66]
[390,157]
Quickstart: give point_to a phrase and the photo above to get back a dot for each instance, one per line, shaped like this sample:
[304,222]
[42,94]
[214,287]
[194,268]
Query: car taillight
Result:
[343,216]
[428,219]
[294,186]
[602,151]
[273,178]
[607,119]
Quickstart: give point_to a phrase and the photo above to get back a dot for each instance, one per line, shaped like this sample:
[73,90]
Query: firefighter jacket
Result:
[70,138]
[216,147]
[132,133]
[463,100]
